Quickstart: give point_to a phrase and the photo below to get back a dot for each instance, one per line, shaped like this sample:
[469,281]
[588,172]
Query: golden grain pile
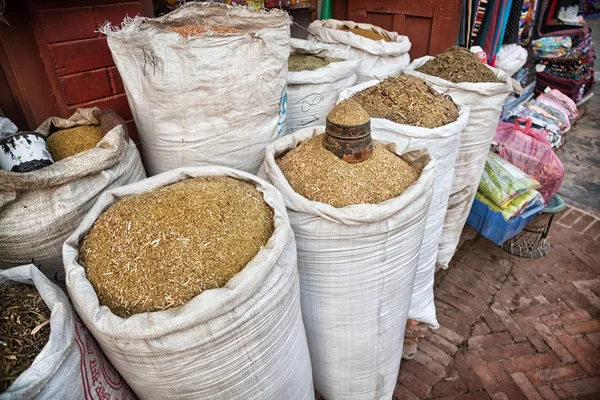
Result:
[68,142]
[369,34]
[198,30]
[306,62]
[160,249]
[407,100]
[24,330]
[348,113]
[319,175]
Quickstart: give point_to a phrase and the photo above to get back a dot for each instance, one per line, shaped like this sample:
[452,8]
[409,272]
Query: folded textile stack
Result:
[526,77]
[571,72]
[552,111]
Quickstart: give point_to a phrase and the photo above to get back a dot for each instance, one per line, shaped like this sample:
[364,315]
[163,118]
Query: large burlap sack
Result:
[312,94]
[40,209]
[381,59]
[485,102]
[209,99]
[70,366]
[357,267]
[442,143]
[243,341]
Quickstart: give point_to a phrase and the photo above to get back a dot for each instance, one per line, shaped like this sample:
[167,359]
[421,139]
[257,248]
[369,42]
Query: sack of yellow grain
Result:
[150,272]
[40,209]
[358,248]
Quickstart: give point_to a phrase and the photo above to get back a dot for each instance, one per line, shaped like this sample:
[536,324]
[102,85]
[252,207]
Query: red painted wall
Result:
[76,58]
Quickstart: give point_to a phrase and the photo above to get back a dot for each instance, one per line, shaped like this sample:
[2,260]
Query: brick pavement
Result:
[514,328]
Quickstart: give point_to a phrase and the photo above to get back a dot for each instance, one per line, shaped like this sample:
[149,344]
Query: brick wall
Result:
[77,59]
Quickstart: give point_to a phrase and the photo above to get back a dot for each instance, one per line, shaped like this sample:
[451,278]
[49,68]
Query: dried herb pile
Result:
[319,175]
[407,100]
[160,249]
[68,142]
[457,65]
[24,330]
[198,30]
[306,62]
[367,33]
[348,113]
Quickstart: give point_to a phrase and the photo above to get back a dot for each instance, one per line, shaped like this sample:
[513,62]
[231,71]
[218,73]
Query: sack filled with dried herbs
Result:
[191,276]
[485,99]
[313,93]
[46,352]
[383,53]
[442,143]
[40,209]
[357,266]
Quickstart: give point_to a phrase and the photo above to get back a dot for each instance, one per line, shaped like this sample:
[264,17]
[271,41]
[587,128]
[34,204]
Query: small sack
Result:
[380,59]
[242,341]
[530,151]
[40,209]
[70,366]
[501,181]
[312,94]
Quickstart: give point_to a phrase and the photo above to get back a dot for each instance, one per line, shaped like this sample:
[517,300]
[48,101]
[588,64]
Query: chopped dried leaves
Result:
[24,330]
[319,175]
[306,62]
[407,100]
[457,65]
[160,249]
[68,142]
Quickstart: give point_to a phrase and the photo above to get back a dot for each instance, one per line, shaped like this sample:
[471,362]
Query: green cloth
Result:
[327,9]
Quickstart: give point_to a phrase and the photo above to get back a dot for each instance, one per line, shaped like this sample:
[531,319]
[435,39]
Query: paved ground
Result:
[581,151]
[515,328]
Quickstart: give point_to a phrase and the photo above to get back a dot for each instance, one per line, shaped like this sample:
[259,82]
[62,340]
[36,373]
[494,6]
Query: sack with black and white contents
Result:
[357,266]
[70,365]
[40,209]
[485,101]
[380,59]
[242,341]
[442,143]
[312,94]
[209,99]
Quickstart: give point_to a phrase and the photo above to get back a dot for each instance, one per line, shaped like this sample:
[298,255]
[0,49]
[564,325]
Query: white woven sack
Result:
[312,94]
[70,366]
[485,101]
[380,59]
[442,143]
[243,341]
[208,99]
[40,209]
[357,267]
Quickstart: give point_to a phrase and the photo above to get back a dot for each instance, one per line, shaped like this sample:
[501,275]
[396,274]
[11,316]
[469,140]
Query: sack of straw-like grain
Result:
[241,341]
[216,97]
[70,365]
[485,101]
[312,94]
[357,266]
[40,209]
[442,143]
[380,58]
